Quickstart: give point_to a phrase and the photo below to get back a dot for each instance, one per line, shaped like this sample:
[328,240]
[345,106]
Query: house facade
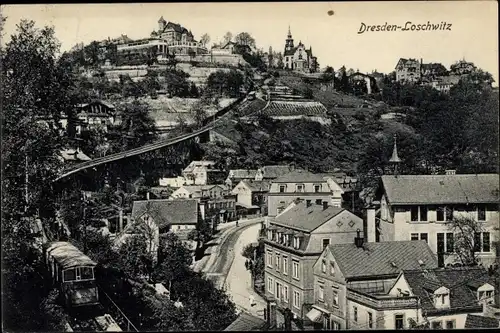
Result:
[408,70]
[203,173]
[364,268]
[94,115]
[299,58]
[237,175]
[420,207]
[294,241]
[305,185]
[251,196]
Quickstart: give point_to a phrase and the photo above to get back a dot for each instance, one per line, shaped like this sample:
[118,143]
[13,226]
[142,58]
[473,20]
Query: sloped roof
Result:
[106,104]
[199,188]
[475,321]
[457,280]
[376,258]
[244,173]
[294,108]
[69,155]
[247,322]
[167,212]
[275,171]
[301,176]
[258,186]
[441,189]
[306,218]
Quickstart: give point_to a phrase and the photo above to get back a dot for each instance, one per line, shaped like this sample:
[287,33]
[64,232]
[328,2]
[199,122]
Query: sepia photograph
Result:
[250,166]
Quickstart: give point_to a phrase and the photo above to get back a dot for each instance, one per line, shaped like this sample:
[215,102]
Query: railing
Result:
[384,302]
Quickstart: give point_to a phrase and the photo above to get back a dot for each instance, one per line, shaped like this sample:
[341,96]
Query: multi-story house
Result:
[420,207]
[218,204]
[433,70]
[408,70]
[152,218]
[439,298]
[462,67]
[251,196]
[305,185]
[365,267]
[237,175]
[96,114]
[203,173]
[294,241]
[299,58]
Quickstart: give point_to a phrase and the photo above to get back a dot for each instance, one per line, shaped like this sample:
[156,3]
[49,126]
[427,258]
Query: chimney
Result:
[271,312]
[308,203]
[370,224]
[358,240]
[450,172]
[325,205]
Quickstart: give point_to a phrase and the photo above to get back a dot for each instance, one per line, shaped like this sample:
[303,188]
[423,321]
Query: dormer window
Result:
[282,188]
[300,188]
[442,298]
[485,294]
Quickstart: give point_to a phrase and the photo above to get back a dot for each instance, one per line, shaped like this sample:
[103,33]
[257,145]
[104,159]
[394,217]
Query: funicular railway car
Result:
[73,272]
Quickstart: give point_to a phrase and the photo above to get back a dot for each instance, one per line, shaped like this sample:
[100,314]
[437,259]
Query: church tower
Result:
[289,41]
[395,160]
[161,24]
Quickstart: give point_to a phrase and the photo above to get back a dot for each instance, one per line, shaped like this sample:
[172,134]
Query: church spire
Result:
[289,32]
[395,160]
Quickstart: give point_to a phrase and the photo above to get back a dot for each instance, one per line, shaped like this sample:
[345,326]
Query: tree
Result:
[174,259]
[228,37]
[193,90]
[33,84]
[54,314]
[135,259]
[244,38]
[205,39]
[467,240]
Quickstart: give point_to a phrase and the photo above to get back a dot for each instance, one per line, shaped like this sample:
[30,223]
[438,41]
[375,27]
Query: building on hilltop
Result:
[408,70]
[462,67]
[298,58]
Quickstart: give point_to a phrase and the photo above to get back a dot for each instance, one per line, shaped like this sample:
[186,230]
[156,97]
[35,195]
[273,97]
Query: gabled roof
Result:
[243,173]
[67,255]
[247,322]
[294,108]
[258,186]
[69,155]
[106,104]
[275,171]
[301,176]
[475,321]
[375,259]
[167,212]
[457,280]
[441,189]
[306,218]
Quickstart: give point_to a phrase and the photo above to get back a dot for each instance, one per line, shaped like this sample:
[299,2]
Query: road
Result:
[239,279]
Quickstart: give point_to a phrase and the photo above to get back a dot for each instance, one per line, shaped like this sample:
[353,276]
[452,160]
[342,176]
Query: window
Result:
[355,313]
[269,259]
[437,325]
[414,213]
[318,201]
[270,285]
[285,265]
[370,320]
[440,213]
[278,259]
[295,269]
[335,326]
[423,213]
[449,213]
[335,298]
[87,273]
[317,188]
[321,293]
[414,237]
[69,275]
[278,290]
[450,242]
[424,237]
[323,266]
[282,188]
[450,324]
[399,322]
[326,242]
[296,299]
[481,213]
[285,293]
[300,188]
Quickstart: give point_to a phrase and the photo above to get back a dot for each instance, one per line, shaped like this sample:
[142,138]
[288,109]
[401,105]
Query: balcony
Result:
[384,302]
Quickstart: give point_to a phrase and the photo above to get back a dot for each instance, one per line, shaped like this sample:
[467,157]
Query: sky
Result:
[334,39]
